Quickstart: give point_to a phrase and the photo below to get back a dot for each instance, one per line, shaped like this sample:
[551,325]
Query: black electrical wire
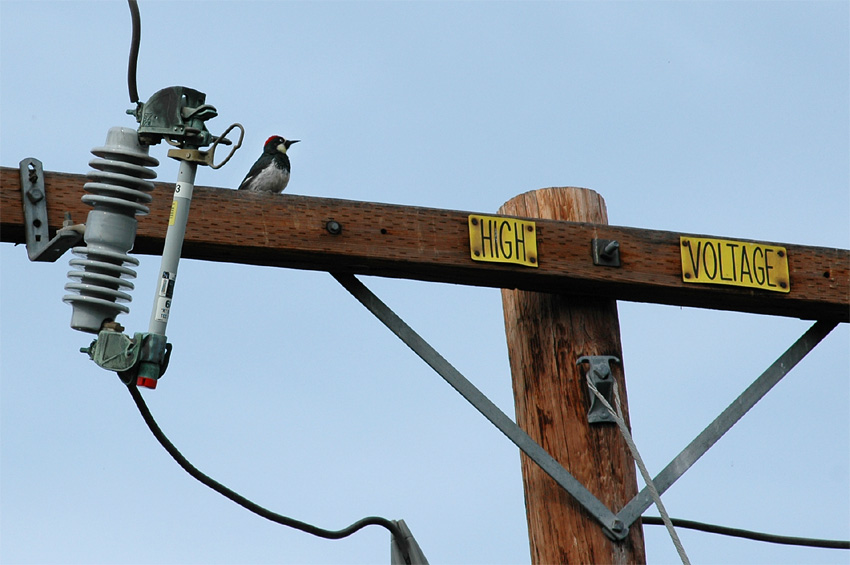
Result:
[396,532]
[134,50]
[748,534]
[254,507]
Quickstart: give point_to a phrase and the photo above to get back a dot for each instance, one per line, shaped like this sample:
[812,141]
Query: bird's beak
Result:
[287,143]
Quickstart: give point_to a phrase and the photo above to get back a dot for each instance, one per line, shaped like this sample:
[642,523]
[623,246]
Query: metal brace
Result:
[615,526]
[602,378]
[39,245]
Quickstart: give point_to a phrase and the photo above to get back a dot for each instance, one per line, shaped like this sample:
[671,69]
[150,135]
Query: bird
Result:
[271,171]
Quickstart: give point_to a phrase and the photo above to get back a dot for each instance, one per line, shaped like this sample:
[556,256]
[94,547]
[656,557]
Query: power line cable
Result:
[134,50]
[749,534]
[397,534]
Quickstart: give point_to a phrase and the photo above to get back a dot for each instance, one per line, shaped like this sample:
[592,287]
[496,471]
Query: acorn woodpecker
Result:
[271,171]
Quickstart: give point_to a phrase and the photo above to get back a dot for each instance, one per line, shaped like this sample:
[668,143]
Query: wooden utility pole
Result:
[547,333]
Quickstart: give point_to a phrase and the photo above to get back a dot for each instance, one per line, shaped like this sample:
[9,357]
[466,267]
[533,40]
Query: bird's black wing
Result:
[260,164]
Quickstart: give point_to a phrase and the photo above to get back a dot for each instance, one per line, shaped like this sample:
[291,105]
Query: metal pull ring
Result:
[223,139]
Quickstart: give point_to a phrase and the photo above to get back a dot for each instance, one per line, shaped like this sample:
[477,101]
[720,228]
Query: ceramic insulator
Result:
[119,189]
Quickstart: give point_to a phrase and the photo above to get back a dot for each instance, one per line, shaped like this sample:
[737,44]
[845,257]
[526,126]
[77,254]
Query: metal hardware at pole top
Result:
[177,115]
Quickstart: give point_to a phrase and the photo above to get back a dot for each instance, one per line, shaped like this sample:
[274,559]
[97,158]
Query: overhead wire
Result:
[134,50]
[749,534]
[254,507]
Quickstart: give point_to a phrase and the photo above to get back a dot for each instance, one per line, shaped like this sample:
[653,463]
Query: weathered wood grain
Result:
[433,245]
[546,334]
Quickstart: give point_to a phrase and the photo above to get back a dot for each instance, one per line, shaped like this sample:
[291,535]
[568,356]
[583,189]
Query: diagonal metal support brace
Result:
[615,526]
[728,418]
[612,526]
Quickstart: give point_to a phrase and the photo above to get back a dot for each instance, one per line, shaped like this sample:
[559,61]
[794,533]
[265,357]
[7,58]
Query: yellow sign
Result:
[734,263]
[173,214]
[498,239]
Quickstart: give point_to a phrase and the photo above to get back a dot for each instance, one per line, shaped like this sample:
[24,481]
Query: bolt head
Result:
[35,195]
[333,227]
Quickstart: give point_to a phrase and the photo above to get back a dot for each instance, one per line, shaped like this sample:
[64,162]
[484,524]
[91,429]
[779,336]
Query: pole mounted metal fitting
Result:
[333,227]
[176,114]
[602,378]
[606,252]
[141,359]
[121,189]
[34,197]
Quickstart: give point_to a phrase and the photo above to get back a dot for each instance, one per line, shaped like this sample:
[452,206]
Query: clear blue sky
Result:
[721,118]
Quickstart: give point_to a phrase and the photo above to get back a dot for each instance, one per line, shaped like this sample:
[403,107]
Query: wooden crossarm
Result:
[433,245]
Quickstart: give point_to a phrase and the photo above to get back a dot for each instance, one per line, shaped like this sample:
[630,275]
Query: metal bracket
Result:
[207,158]
[139,360]
[603,380]
[606,252]
[34,198]
[414,552]
[176,113]
[192,155]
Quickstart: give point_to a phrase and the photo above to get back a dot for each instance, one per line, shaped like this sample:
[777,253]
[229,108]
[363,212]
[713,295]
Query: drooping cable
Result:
[647,478]
[134,50]
[749,534]
[252,506]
